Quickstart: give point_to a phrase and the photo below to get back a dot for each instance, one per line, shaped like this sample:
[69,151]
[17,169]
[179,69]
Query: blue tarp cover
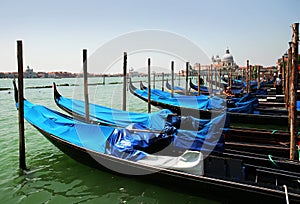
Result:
[84,135]
[202,102]
[116,117]
[124,143]
[135,146]
[154,121]
[245,104]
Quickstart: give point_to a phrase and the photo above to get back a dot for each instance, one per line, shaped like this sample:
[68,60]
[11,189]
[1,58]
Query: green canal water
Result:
[54,177]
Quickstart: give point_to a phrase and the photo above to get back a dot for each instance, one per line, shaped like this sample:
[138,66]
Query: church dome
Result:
[227,57]
[218,59]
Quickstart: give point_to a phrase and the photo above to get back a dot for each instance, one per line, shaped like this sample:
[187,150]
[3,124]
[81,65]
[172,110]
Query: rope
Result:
[286,194]
[270,158]
[274,131]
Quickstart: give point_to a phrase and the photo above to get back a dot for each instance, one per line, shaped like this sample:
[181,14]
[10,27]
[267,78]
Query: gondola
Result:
[251,140]
[237,90]
[183,109]
[268,103]
[245,104]
[233,178]
[203,90]
[178,90]
[113,117]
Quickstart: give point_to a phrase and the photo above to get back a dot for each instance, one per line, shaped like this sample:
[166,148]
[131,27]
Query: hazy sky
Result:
[54,32]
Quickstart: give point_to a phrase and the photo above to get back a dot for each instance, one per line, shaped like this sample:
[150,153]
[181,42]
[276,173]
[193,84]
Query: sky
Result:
[54,32]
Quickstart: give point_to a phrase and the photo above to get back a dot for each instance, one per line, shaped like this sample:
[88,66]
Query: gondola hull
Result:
[208,187]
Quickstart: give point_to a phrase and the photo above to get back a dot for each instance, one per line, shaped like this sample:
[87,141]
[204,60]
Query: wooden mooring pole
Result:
[149,85]
[199,79]
[251,76]
[283,76]
[163,81]
[22,158]
[186,77]
[293,91]
[172,78]
[179,78]
[85,82]
[288,75]
[247,77]
[230,76]
[215,77]
[258,76]
[211,79]
[124,80]
[153,80]
[243,74]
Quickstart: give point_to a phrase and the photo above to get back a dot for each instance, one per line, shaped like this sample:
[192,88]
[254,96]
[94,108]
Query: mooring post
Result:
[172,78]
[230,77]
[162,81]
[211,78]
[22,158]
[149,85]
[103,83]
[251,76]
[283,76]
[220,78]
[243,70]
[124,80]
[153,80]
[289,73]
[85,82]
[286,90]
[293,93]
[247,77]
[186,77]
[215,77]
[199,79]
[179,78]
[258,76]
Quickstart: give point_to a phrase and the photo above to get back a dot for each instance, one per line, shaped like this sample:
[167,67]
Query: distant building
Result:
[216,60]
[225,64]
[29,73]
[133,73]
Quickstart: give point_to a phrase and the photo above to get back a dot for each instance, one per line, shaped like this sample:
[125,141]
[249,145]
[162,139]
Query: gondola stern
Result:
[15,91]
[56,93]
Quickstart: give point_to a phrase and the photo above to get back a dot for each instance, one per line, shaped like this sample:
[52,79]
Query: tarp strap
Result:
[286,194]
[270,158]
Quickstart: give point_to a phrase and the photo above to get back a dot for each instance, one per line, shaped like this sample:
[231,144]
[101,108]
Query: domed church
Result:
[227,59]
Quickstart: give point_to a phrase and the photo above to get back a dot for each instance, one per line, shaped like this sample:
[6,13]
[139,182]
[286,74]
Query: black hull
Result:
[226,191]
